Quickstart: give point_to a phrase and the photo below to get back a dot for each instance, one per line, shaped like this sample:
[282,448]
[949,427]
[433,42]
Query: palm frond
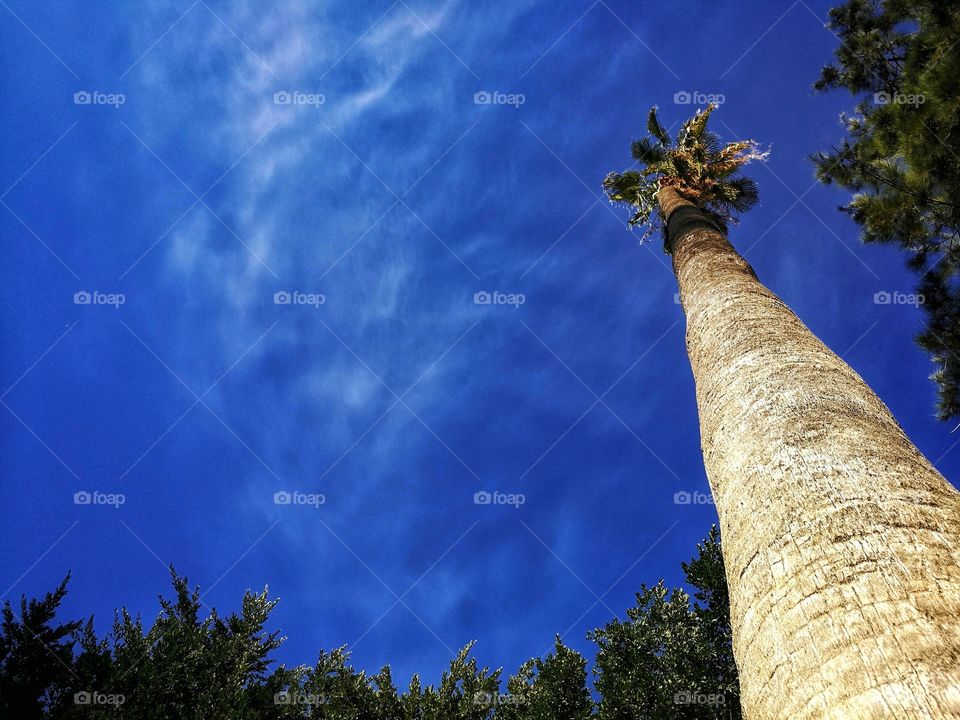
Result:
[697,125]
[746,193]
[647,151]
[656,129]
[623,187]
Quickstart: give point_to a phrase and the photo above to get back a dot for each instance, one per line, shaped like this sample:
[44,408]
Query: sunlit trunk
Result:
[841,541]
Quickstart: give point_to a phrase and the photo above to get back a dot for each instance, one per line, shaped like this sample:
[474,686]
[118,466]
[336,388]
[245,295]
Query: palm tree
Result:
[841,542]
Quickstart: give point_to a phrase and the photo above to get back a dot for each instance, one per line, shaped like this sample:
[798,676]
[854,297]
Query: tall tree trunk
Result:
[841,541]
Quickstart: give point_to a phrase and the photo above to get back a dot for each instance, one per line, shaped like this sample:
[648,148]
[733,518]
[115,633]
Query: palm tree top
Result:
[697,166]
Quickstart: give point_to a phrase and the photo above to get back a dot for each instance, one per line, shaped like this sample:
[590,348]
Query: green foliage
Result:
[697,166]
[672,659]
[35,655]
[901,154]
[544,689]
[194,663]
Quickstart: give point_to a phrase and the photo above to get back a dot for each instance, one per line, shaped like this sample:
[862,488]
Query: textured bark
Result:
[841,541]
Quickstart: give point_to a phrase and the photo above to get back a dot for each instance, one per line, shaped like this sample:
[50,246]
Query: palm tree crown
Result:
[698,167]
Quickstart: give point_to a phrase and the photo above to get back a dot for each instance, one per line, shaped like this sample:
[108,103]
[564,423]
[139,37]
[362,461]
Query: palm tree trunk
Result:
[841,541]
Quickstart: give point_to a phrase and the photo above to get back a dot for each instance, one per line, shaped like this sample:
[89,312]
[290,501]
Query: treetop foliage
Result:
[901,155]
[669,658]
[697,165]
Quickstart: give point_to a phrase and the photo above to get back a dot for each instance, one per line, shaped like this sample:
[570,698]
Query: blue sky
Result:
[396,198]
